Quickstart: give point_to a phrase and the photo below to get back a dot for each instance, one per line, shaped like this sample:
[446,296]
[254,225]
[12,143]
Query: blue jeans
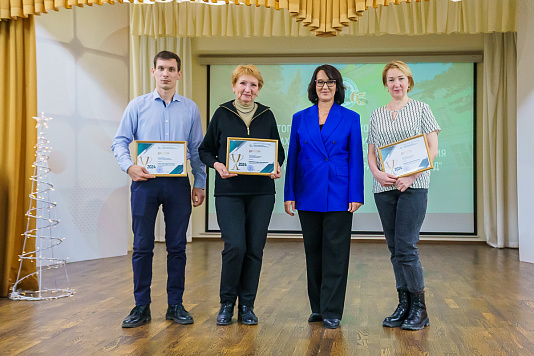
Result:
[402,215]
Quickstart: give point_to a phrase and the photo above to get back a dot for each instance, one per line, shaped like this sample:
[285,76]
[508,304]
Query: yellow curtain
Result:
[18,104]
[13,9]
[324,17]
[189,19]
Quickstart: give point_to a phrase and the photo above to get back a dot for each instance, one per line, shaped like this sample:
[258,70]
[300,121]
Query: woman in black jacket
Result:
[244,203]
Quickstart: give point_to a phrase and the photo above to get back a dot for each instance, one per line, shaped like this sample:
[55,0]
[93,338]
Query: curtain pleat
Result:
[13,9]
[499,150]
[18,104]
[324,17]
[188,19]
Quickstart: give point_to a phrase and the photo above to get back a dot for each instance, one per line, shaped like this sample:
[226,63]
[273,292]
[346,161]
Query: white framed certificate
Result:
[251,156]
[162,158]
[406,157]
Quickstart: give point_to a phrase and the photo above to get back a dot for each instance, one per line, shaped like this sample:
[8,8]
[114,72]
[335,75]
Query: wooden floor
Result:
[480,302]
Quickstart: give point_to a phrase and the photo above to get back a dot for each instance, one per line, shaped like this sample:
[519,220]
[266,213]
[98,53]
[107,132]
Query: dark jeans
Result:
[402,214]
[327,246]
[244,221]
[174,193]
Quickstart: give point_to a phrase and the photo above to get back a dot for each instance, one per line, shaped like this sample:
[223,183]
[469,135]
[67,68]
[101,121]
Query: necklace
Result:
[245,112]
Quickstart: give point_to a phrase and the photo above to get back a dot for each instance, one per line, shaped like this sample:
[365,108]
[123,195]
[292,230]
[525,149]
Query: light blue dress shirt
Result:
[148,118]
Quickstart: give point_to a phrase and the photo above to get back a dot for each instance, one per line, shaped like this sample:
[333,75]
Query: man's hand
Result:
[197,196]
[138,173]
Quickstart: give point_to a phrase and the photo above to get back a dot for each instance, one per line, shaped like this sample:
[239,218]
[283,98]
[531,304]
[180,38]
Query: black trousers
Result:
[327,246]
[244,221]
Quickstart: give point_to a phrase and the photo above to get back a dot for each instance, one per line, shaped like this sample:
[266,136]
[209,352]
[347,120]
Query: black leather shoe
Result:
[225,314]
[178,313]
[315,317]
[139,315]
[246,315]
[331,323]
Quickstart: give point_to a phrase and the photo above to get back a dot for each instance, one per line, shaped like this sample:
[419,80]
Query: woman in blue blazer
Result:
[324,182]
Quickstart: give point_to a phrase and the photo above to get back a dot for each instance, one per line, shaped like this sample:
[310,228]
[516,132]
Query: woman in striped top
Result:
[401,202]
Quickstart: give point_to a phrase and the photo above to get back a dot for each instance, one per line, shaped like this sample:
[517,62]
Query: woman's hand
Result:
[289,206]
[385,179]
[404,183]
[219,167]
[354,206]
[278,173]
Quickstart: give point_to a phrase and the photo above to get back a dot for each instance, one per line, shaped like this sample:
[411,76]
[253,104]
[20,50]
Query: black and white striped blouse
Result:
[413,119]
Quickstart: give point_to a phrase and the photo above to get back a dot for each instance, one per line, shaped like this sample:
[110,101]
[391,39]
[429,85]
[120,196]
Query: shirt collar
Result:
[155,96]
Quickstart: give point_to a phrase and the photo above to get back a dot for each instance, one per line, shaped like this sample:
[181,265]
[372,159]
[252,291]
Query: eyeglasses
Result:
[329,83]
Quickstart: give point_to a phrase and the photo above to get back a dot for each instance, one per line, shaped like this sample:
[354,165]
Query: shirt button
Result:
[326,159]
[305,141]
[333,141]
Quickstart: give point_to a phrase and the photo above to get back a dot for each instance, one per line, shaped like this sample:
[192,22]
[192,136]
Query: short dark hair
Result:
[332,73]
[167,55]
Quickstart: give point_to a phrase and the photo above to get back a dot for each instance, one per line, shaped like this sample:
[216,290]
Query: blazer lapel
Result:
[312,124]
[332,122]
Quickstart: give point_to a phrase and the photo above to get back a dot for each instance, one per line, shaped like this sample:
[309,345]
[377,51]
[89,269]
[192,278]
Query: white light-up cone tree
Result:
[50,272]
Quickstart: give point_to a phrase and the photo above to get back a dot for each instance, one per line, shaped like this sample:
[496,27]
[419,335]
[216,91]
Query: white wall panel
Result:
[82,83]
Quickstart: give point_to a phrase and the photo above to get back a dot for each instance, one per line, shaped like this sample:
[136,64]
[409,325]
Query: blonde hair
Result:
[403,67]
[249,69]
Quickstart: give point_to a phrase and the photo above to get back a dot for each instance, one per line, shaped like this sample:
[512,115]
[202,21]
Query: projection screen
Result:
[449,89]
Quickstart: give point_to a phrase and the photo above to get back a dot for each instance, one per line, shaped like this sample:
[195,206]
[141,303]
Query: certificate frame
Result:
[150,155]
[414,153]
[234,144]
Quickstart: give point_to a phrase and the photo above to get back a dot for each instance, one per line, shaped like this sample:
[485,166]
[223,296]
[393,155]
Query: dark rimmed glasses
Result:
[329,83]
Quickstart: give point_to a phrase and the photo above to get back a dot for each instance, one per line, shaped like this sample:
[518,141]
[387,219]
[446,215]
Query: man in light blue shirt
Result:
[161,115]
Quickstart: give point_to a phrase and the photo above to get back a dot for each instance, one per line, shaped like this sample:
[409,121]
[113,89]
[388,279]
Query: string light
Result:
[39,213]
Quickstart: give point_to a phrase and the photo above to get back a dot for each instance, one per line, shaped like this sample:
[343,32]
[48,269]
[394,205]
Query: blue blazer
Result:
[324,169]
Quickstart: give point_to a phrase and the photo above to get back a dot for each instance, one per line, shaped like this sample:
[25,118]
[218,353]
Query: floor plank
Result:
[480,302]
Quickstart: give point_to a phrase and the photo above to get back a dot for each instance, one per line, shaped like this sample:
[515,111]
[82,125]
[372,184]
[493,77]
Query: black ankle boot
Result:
[395,320]
[418,317]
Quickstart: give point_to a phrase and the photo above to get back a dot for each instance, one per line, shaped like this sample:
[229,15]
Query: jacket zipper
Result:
[248,126]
